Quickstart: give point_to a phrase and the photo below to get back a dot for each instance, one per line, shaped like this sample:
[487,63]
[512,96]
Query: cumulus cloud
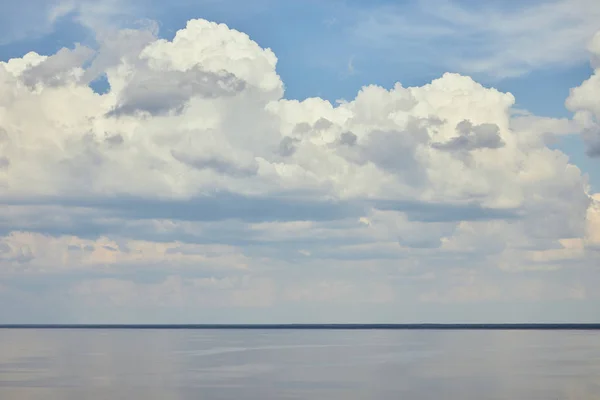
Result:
[593,221]
[57,69]
[205,112]
[585,103]
[193,159]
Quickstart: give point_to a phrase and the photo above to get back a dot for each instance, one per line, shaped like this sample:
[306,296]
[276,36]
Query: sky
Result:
[299,161]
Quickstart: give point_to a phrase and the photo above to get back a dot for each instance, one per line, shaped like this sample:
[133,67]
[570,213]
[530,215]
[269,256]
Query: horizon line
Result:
[307,326]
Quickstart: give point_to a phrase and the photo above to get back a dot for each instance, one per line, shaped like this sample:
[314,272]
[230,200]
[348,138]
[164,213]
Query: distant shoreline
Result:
[308,326]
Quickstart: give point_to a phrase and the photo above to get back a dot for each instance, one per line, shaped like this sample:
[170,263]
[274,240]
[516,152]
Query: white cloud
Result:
[231,122]
[542,128]
[585,103]
[228,129]
[194,160]
[593,224]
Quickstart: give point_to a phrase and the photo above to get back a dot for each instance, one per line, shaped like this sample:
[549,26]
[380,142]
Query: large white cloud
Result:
[204,112]
[585,102]
[197,130]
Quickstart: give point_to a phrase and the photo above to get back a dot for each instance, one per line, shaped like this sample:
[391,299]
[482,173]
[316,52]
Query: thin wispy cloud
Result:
[494,39]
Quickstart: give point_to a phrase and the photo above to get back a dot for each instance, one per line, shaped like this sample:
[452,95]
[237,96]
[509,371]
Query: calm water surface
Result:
[142,364]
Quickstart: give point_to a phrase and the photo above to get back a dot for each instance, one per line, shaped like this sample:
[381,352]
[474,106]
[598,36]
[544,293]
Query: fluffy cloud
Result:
[585,103]
[204,112]
[192,158]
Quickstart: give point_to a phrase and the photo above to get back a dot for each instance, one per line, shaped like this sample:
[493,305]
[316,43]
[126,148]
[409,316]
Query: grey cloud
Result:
[96,216]
[84,164]
[305,127]
[426,235]
[217,207]
[22,255]
[420,243]
[440,212]
[348,139]
[287,146]
[4,249]
[124,45]
[223,218]
[472,137]
[231,206]
[3,135]
[95,223]
[216,164]
[87,248]
[223,215]
[591,138]
[302,127]
[594,150]
[4,162]
[115,140]
[323,124]
[547,217]
[58,220]
[56,69]
[394,151]
[158,92]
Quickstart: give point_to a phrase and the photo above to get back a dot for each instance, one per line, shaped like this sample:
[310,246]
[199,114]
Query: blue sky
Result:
[217,198]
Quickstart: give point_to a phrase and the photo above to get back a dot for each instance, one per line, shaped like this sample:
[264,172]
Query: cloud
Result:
[348,139]
[485,136]
[495,40]
[196,128]
[220,166]
[59,69]
[41,17]
[213,139]
[585,103]
[543,130]
[161,92]
[193,163]
[593,222]
[35,251]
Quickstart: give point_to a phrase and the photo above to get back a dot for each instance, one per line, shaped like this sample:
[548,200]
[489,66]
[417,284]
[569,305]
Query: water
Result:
[287,364]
